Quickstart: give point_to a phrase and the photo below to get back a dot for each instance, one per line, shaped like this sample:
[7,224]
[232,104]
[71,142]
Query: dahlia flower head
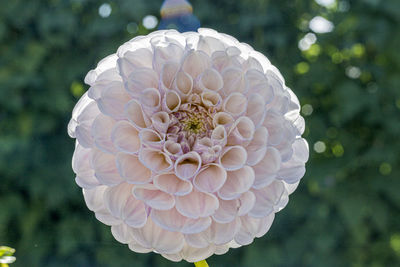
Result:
[187,144]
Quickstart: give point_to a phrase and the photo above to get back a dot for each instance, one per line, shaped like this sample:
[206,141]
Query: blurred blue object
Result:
[178,14]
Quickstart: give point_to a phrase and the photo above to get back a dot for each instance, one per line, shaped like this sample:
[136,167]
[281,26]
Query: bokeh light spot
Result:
[395,243]
[302,68]
[319,147]
[77,89]
[338,150]
[353,72]
[307,110]
[325,3]
[105,10]
[150,22]
[132,27]
[306,42]
[385,168]
[319,24]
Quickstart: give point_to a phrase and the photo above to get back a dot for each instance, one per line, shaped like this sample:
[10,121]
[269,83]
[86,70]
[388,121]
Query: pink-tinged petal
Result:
[221,60]
[219,250]
[163,54]
[290,188]
[151,236]
[101,132]
[224,119]
[84,105]
[191,254]
[233,158]
[258,84]
[226,211]
[140,79]
[210,44]
[252,227]
[247,201]
[132,170]
[151,139]
[168,74]
[125,137]
[121,204]
[134,246]
[197,204]
[173,185]
[252,63]
[266,170]
[177,257]
[155,160]
[172,149]
[187,165]
[183,84]
[237,182]
[131,60]
[234,81]
[105,168]
[217,233]
[113,99]
[160,121]
[106,217]
[219,136]
[81,126]
[210,80]
[258,146]
[171,102]
[256,109]
[195,63]
[172,220]
[294,169]
[274,124]
[121,233]
[267,199]
[210,179]
[94,197]
[81,166]
[235,104]
[154,197]
[134,113]
[211,99]
[150,99]
[241,132]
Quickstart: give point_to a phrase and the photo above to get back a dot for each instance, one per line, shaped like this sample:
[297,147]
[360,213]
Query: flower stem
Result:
[202,263]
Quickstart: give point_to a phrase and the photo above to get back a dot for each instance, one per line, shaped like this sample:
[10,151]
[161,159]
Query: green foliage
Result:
[346,211]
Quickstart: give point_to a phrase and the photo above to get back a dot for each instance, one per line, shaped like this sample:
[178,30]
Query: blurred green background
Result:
[346,211]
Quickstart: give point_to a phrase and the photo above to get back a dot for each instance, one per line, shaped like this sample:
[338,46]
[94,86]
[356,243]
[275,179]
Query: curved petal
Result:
[234,81]
[252,227]
[183,84]
[160,121]
[237,182]
[195,62]
[241,132]
[258,146]
[210,80]
[171,102]
[151,236]
[266,170]
[101,132]
[187,165]
[153,197]
[197,204]
[235,104]
[247,201]
[94,197]
[134,113]
[121,204]
[226,211]
[151,139]
[233,158]
[210,179]
[125,137]
[171,184]
[113,99]
[219,136]
[85,177]
[140,79]
[155,160]
[256,109]
[267,199]
[172,220]
[150,99]
[105,168]
[121,233]
[132,170]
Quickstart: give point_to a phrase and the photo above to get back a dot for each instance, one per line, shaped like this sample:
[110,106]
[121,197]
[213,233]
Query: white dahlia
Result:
[187,143]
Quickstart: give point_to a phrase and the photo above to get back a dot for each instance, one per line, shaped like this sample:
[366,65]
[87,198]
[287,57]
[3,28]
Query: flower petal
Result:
[171,184]
[132,170]
[197,204]
[187,165]
[140,79]
[210,179]
[125,137]
[266,170]
[233,158]
[101,132]
[105,168]
[267,199]
[195,63]
[155,160]
[153,197]
[237,182]
[134,113]
[235,104]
